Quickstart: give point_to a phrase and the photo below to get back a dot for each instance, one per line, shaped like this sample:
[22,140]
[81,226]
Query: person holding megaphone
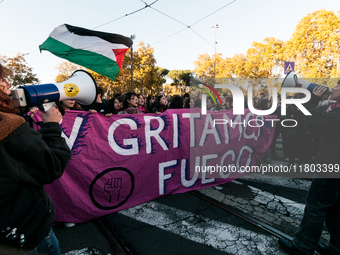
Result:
[29,159]
[323,198]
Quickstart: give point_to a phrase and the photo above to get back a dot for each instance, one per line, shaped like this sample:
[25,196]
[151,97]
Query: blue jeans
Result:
[322,206]
[49,245]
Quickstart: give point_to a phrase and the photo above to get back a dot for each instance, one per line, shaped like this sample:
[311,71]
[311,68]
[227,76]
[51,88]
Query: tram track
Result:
[262,225]
[242,215]
[116,243]
[120,247]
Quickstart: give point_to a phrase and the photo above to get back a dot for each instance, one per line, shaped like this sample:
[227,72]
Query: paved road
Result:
[186,224]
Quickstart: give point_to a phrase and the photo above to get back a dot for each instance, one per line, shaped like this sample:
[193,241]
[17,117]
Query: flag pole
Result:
[131,69]
[132,37]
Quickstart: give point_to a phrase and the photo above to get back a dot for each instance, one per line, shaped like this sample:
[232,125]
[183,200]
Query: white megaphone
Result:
[291,80]
[80,87]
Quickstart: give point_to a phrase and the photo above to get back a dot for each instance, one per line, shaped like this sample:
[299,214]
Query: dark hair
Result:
[197,103]
[128,96]
[138,95]
[229,100]
[246,102]
[176,102]
[158,103]
[100,90]
[120,98]
[149,98]
[111,106]
[187,103]
[210,99]
[263,104]
[186,95]
[6,103]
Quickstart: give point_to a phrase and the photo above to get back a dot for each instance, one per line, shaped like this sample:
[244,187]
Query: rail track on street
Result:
[244,216]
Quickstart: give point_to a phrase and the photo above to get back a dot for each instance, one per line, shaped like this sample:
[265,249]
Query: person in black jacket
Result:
[323,198]
[278,128]
[176,102]
[296,135]
[265,104]
[99,105]
[29,159]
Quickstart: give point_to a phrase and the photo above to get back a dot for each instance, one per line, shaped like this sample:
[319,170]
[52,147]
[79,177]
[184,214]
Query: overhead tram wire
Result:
[202,37]
[169,36]
[180,30]
[213,13]
[24,54]
[189,27]
[169,16]
[146,6]
[149,5]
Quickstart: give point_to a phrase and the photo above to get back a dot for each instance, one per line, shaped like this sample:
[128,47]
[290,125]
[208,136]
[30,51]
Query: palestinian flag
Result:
[98,51]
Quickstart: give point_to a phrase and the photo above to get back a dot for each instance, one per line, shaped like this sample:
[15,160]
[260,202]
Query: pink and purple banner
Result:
[124,160]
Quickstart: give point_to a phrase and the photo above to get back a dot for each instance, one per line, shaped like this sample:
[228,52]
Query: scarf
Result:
[142,109]
[8,123]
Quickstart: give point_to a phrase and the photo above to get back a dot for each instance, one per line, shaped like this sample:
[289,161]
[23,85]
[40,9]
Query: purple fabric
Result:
[124,160]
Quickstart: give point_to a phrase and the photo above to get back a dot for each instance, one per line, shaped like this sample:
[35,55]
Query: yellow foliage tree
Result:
[315,45]
[237,66]
[204,66]
[65,70]
[147,77]
[266,59]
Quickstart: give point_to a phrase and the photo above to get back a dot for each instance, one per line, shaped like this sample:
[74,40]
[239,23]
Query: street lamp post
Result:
[216,26]
[132,37]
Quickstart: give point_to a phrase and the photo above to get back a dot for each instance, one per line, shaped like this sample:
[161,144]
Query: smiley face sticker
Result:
[71,89]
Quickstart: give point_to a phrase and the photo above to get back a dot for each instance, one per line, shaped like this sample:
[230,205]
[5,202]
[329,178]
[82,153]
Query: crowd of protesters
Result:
[299,142]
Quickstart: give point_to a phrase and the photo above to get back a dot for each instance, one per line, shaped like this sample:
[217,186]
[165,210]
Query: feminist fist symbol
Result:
[113,187]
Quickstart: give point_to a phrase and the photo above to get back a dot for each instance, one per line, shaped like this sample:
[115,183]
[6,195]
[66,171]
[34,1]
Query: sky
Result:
[178,30]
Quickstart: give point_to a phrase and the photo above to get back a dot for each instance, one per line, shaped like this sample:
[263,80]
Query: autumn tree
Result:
[204,66]
[147,77]
[170,90]
[23,74]
[265,59]
[236,65]
[315,45]
[181,79]
[65,70]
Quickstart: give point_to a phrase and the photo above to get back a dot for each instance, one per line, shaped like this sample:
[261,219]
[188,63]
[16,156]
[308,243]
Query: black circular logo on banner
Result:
[111,188]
